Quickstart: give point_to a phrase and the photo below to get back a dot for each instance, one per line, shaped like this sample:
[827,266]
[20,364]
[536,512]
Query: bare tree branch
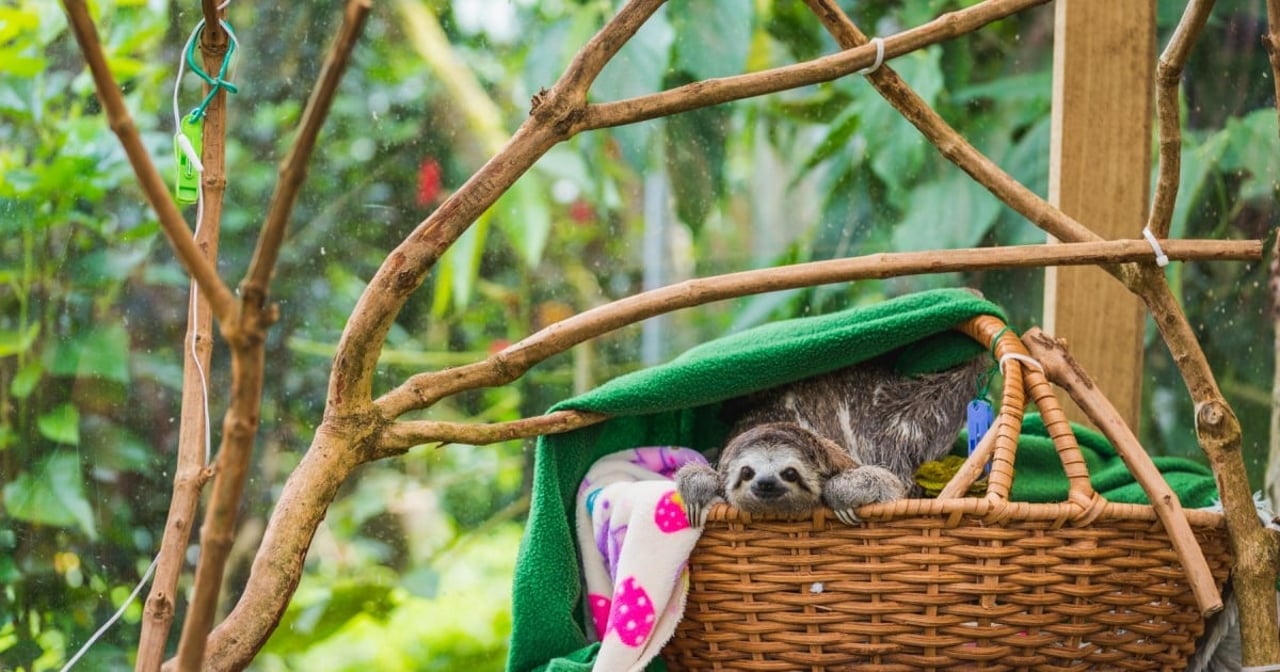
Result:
[1272,43]
[344,439]
[247,339]
[338,448]
[950,143]
[1168,80]
[191,472]
[353,426]
[157,192]
[425,389]
[1218,435]
[551,120]
[218,532]
[401,436]
[1255,552]
[293,170]
[599,50]
[722,90]
[215,34]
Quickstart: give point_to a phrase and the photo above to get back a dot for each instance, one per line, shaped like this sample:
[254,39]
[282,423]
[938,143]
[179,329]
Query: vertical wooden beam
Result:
[1100,173]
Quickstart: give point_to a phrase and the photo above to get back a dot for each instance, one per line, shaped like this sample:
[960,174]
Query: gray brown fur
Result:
[879,416]
[777,468]
[856,436]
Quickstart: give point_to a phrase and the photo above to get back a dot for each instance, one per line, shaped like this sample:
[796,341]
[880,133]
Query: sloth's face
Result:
[772,479]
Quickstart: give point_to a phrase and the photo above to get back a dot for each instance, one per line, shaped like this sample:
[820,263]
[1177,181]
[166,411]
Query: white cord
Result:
[190,152]
[1262,668]
[879,42]
[1025,359]
[1162,259]
[146,576]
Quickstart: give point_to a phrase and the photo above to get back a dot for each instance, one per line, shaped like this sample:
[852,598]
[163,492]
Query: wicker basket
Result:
[952,583]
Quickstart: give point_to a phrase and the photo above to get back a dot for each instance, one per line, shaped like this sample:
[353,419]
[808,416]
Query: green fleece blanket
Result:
[678,403]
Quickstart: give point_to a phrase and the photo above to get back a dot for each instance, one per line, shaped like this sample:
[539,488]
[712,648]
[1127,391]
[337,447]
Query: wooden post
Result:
[1100,168]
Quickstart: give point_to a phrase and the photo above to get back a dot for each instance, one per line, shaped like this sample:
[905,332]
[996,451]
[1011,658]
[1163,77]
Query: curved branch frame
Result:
[357,428]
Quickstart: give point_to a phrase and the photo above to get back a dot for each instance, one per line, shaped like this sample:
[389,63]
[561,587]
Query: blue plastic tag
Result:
[978,421]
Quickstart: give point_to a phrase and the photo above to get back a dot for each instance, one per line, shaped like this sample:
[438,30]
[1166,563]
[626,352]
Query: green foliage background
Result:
[411,569]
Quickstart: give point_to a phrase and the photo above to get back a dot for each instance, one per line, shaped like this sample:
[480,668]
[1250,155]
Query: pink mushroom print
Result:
[632,616]
[669,515]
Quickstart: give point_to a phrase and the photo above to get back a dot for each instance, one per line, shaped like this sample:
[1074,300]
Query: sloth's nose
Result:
[767,488]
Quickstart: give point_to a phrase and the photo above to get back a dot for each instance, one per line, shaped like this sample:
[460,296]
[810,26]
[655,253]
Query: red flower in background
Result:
[582,212]
[429,183]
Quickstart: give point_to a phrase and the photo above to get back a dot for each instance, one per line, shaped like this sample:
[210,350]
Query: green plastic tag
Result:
[187,182]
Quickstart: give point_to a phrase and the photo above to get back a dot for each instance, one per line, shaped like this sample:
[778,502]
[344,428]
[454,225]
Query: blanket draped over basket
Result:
[678,404]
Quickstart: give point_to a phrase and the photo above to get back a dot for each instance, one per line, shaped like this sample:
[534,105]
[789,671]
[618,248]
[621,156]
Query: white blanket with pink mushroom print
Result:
[635,541]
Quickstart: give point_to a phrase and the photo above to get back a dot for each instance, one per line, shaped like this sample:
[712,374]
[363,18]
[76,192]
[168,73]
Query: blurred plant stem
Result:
[483,119]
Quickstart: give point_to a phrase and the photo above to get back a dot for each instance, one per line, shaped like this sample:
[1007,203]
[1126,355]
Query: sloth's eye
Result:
[790,475]
[747,473]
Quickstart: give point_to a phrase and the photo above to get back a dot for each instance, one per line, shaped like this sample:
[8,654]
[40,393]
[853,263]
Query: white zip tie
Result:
[1025,359]
[879,42]
[1162,259]
[1275,667]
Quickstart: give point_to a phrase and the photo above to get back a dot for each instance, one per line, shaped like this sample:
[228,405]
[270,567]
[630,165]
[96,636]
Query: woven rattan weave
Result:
[952,584]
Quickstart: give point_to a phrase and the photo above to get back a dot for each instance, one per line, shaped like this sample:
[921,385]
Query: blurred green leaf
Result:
[9,572]
[949,213]
[638,69]
[1033,89]
[1028,160]
[712,36]
[313,618]
[61,425]
[15,341]
[460,266]
[14,21]
[896,148]
[52,494]
[24,381]
[695,160]
[1198,163]
[18,63]
[102,352]
[836,140]
[642,62]
[113,446]
[792,25]
[524,216]
[1250,153]
[106,266]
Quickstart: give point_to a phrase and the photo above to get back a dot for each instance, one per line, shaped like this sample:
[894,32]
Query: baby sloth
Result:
[850,437]
[782,468]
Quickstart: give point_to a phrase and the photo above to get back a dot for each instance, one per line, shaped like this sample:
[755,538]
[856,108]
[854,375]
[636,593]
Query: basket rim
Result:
[990,511]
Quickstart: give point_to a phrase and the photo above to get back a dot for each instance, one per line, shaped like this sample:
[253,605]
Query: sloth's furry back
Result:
[880,416]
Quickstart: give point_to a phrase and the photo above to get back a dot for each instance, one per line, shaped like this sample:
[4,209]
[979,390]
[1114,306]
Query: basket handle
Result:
[1070,376]
[1001,441]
